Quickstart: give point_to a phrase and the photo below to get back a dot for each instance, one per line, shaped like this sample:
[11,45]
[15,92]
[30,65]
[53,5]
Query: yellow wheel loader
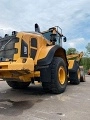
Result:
[76,72]
[26,57]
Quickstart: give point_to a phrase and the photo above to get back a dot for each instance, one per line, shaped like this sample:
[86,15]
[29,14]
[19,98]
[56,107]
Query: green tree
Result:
[85,61]
[71,51]
[88,48]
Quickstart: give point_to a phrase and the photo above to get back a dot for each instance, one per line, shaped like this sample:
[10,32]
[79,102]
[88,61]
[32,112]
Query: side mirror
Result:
[64,39]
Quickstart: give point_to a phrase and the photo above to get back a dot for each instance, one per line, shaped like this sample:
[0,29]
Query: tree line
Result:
[85,61]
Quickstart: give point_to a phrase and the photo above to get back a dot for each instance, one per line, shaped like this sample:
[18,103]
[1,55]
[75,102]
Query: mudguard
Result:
[56,51]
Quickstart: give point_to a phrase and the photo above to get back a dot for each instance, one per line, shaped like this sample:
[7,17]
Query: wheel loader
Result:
[26,57]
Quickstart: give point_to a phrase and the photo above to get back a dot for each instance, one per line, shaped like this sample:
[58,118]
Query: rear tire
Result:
[18,85]
[82,75]
[74,74]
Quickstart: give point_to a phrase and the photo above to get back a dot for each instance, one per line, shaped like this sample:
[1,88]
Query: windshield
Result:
[47,35]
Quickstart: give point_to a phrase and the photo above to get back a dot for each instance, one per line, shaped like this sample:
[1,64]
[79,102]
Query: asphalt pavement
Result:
[34,104]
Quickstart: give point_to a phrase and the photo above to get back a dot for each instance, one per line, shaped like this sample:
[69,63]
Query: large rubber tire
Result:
[58,76]
[46,86]
[74,74]
[18,85]
[82,75]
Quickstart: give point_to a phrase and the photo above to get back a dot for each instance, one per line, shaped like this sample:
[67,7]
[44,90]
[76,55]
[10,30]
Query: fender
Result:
[55,51]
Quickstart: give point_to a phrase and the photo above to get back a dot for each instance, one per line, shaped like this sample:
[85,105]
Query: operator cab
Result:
[54,36]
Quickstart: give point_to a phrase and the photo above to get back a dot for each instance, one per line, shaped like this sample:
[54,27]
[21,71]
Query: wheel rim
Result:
[78,72]
[61,75]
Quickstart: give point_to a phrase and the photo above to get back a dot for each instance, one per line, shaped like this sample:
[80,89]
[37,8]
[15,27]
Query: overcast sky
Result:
[73,16]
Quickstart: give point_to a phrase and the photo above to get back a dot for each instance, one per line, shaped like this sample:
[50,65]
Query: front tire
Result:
[18,85]
[58,75]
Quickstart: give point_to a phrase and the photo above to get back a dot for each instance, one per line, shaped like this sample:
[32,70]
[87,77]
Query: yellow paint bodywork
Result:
[17,69]
[28,77]
[22,68]
[44,51]
[70,64]
[42,48]
[18,65]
